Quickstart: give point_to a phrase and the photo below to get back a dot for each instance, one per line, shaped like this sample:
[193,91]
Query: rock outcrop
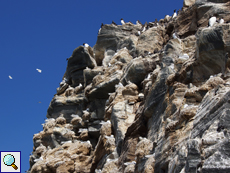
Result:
[144,100]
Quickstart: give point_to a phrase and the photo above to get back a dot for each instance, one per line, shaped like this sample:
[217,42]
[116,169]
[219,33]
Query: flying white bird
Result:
[39,70]
[10,77]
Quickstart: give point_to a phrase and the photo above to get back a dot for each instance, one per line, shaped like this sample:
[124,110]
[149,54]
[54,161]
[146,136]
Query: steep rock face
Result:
[144,101]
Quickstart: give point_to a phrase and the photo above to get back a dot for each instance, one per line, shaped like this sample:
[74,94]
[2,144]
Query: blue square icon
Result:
[10,161]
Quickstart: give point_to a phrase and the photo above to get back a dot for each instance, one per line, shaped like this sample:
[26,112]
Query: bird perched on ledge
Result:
[212,21]
[122,21]
[85,44]
[174,14]
[114,23]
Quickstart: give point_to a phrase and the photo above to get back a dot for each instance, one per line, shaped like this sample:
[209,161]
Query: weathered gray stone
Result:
[79,60]
[111,36]
[167,110]
[137,69]
[188,3]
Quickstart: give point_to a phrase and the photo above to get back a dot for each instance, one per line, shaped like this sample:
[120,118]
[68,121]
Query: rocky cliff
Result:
[144,100]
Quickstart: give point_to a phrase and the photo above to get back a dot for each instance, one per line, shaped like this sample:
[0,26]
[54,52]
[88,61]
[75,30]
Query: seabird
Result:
[221,21]
[122,21]
[67,59]
[102,25]
[212,21]
[10,77]
[149,75]
[130,23]
[174,35]
[139,32]
[114,23]
[138,22]
[109,64]
[36,160]
[39,70]
[85,44]
[185,56]
[119,85]
[144,29]
[156,22]
[99,31]
[174,14]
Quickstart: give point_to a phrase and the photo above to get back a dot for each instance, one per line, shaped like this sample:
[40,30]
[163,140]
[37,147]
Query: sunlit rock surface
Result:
[144,100]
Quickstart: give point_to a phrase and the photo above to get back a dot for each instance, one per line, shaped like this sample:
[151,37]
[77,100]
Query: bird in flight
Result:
[39,70]
[10,77]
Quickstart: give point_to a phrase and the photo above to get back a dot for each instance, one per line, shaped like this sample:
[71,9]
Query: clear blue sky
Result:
[42,34]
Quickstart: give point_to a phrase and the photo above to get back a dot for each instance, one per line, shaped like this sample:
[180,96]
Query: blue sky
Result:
[42,34]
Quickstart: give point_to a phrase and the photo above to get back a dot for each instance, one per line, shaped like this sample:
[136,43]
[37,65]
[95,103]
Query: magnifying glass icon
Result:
[9,160]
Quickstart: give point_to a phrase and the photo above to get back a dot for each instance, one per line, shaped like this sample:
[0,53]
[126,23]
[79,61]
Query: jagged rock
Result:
[105,145]
[66,106]
[61,120]
[102,85]
[143,148]
[193,156]
[210,42]
[188,3]
[137,69]
[89,74]
[186,23]
[150,40]
[63,158]
[106,128]
[122,116]
[164,111]
[79,60]
[111,36]
[62,89]
[121,56]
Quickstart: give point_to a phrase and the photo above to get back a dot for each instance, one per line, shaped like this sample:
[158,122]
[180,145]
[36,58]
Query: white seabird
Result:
[10,77]
[174,35]
[185,56]
[36,160]
[174,14]
[144,29]
[221,21]
[138,22]
[122,21]
[39,70]
[119,85]
[149,75]
[212,21]
[85,44]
